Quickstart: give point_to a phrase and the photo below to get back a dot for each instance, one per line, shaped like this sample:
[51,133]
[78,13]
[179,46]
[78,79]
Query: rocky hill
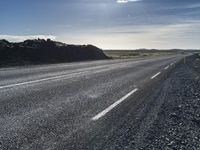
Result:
[46,51]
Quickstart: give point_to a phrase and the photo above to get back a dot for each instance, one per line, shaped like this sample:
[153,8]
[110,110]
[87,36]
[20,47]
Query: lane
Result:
[39,80]
[26,74]
[51,69]
[58,112]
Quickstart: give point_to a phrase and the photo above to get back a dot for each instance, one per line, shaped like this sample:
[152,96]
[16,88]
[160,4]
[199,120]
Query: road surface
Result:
[78,105]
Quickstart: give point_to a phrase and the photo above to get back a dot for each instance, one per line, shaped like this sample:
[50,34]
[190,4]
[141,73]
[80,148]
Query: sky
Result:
[108,24]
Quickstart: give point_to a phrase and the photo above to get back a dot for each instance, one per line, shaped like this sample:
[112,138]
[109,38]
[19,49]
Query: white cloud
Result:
[183,35]
[126,1]
[16,38]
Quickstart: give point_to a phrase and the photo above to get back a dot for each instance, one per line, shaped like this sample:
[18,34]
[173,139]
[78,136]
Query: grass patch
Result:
[125,54]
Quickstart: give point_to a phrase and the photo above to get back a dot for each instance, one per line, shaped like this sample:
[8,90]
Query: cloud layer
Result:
[105,23]
[126,1]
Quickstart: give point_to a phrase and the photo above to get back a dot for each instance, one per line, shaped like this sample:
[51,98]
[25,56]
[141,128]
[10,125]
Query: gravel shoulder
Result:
[177,125]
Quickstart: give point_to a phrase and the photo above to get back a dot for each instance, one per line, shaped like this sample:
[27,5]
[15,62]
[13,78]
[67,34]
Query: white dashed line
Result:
[40,80]
[172,64]
[5,69]
[155,75]
[166,67]
[104,112]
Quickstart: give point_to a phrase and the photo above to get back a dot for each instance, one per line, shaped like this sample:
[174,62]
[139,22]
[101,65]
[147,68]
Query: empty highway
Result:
[77,106]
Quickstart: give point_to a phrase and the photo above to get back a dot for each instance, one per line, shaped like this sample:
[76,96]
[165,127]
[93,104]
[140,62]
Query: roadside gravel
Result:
[178,122]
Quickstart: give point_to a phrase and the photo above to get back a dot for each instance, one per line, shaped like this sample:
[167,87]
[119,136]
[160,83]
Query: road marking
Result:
[40,80]
[166,67]
[104,112]
[171,64]
[5,69]
[155,75]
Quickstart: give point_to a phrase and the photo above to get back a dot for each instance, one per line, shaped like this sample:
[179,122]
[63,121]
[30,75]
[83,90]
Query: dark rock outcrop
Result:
[46,51]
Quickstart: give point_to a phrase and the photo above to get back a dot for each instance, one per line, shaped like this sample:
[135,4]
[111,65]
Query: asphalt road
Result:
[79,105]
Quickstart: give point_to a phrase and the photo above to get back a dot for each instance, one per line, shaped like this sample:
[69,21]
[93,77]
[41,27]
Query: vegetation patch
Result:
[124,54]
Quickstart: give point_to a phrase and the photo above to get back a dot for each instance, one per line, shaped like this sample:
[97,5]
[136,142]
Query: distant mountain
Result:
[46,51]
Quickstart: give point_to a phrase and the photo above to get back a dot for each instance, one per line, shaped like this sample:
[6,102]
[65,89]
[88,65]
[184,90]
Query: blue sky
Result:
[108,24]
